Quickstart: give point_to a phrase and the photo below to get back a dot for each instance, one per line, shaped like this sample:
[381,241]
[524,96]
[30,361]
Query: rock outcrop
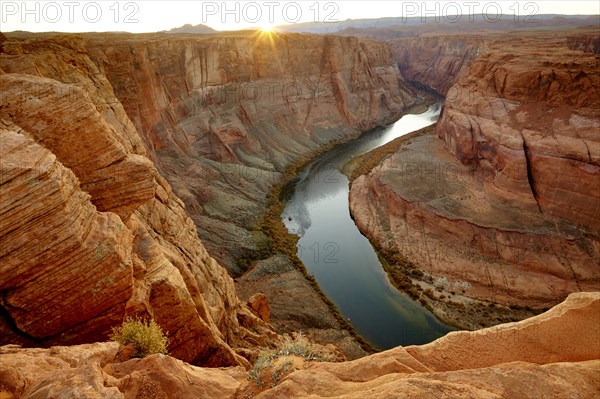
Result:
[531,116]
[223,115]
[259,303]
[89,230]
[504,206]
[556,354]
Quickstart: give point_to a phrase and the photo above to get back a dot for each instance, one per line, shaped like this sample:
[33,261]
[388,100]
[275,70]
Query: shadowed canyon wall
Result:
[437,60]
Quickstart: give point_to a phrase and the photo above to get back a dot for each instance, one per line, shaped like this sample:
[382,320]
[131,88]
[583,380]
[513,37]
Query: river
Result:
[341,259]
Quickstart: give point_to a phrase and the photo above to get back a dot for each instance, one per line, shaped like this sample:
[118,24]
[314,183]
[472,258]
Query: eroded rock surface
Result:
[553,354]
[437,60]
[222,115]
[531,116]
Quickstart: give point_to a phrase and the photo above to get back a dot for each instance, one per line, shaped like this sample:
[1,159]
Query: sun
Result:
[267,28]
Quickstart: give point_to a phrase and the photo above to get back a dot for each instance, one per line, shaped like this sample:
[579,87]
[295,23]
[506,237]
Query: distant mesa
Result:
[195,29]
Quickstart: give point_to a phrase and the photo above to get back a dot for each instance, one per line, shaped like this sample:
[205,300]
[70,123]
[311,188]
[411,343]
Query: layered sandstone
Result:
[556,354]
[531,116]
[504,205]
[89,230]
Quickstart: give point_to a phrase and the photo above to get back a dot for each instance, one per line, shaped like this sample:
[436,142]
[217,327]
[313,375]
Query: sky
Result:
[157,15]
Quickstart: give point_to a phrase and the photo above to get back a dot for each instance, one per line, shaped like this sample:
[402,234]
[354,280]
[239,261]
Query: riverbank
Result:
[444,300]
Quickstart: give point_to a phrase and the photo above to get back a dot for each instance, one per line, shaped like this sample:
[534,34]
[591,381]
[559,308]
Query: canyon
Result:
[224,115]
[135,171]
[106,236]
[147,145]
[500,205]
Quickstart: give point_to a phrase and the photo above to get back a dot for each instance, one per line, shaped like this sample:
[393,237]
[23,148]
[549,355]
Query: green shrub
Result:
[145,335]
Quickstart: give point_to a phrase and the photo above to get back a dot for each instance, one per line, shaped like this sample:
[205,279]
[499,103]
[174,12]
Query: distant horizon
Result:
[157,16]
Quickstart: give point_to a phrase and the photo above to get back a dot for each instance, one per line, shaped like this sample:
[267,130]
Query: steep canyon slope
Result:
[223,115]
[92,129]
[89,230]
[503,205]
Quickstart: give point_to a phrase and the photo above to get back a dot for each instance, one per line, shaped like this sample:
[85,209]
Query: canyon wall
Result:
[434,54]
[436,60]
[529,113]
[503,205]
[89,230]
[222,115]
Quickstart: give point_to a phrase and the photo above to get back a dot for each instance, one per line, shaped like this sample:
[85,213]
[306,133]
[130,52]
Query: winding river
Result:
[341,259]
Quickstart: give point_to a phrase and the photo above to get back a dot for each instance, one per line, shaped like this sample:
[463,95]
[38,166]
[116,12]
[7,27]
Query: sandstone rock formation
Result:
[259,303]
[89,231]
[505,207]
[532,116]
[556,354]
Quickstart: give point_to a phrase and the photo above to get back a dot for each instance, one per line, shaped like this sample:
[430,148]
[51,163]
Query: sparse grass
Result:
[299,346]
[265,370]
[145,335]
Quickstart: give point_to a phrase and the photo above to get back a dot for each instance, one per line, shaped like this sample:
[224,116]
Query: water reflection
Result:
[342,259]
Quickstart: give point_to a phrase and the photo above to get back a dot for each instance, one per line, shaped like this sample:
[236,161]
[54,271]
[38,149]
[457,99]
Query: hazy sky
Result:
[154,15]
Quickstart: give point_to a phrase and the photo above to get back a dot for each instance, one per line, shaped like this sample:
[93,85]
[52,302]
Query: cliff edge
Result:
[556,354]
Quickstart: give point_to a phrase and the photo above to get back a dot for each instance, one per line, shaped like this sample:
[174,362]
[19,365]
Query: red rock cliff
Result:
[530,114]
[89,230]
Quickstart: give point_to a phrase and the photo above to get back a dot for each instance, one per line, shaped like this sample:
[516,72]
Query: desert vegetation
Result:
[146,336]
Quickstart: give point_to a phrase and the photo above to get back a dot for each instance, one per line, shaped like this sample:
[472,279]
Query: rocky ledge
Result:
[556,354]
